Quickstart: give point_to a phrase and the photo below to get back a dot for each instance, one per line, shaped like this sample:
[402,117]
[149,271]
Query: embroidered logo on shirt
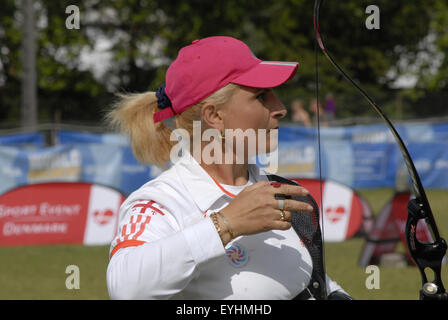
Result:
[149,205]
[237,255]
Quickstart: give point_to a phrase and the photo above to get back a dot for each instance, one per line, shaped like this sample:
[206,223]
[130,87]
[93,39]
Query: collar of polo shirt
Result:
[203,189]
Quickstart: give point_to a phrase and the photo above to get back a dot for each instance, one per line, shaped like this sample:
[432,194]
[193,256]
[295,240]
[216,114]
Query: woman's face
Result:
[257,109]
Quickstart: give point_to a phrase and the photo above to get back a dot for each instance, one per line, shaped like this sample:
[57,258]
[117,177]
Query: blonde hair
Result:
[132,115]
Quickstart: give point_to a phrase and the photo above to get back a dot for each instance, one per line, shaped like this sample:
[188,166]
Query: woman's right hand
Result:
[255,209]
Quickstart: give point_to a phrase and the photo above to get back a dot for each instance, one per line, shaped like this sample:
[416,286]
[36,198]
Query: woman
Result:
[208,229]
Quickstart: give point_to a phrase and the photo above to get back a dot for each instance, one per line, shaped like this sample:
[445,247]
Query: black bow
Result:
[425,255]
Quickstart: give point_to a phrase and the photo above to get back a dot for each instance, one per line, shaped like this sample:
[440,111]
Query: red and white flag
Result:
[60,212]
[342,208]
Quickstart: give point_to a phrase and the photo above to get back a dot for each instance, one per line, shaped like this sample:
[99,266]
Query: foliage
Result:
[135,40]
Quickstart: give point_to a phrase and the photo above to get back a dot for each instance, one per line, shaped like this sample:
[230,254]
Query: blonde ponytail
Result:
[132,115]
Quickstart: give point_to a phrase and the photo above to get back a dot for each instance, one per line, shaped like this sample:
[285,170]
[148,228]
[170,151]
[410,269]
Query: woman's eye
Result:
[262,96]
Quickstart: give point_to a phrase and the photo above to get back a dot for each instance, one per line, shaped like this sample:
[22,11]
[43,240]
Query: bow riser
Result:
[425,255]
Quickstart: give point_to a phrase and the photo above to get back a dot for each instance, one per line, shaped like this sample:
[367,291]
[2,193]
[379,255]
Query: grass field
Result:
[38,272]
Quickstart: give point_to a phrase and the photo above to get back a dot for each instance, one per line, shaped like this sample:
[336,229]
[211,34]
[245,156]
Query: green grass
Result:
[395,283]
[38,272]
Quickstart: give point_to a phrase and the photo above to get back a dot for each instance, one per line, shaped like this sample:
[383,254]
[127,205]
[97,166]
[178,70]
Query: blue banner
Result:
[365,156]
[108,159]
[111,165]
[24,140]
[68,137]
[357,156]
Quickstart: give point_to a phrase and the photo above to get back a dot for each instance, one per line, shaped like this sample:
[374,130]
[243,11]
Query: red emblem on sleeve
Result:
[148,205]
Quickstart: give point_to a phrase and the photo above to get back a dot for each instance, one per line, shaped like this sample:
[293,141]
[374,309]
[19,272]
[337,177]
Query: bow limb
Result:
[425,255]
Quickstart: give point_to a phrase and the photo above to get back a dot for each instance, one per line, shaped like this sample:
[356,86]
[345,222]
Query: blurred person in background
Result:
[216,230]
[300,115]
[330,107]
[322,116]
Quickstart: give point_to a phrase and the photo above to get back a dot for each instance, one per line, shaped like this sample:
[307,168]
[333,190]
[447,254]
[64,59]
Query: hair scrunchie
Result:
[162,99]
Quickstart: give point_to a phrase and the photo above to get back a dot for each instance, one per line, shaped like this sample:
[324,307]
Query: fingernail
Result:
[305,191]
[276,184]
[309,207]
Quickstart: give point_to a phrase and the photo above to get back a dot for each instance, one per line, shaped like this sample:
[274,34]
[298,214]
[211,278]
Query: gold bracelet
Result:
[214,217]
[227,224]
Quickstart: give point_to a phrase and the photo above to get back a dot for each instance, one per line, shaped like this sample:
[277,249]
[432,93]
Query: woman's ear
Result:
[212,117]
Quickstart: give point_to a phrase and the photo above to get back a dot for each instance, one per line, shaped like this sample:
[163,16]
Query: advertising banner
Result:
[58,213]
[357,156]
[342,208]
[29,140]
[111,165]
[364,156]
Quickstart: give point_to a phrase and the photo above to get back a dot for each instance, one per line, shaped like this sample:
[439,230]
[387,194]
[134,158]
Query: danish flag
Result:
[139,219]
[148,205]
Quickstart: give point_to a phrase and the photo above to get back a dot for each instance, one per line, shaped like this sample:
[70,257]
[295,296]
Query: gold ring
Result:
[282,216]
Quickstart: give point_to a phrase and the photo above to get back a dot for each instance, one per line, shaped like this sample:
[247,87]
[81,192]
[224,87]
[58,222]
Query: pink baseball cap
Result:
[210,64]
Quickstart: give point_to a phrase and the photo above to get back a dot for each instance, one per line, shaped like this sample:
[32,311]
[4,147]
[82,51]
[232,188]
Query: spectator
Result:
[300,115]
[330,107]
[322,116]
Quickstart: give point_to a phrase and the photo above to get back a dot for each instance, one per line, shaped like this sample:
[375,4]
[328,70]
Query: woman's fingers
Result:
[277,187]
[284,215]
[281,225]
[289,189]
[256,209]
[292,205]
[257,185]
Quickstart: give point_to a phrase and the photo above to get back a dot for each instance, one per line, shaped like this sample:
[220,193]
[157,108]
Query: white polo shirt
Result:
[167,247]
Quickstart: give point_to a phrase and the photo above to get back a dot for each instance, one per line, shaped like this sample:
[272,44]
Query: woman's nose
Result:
[279,112]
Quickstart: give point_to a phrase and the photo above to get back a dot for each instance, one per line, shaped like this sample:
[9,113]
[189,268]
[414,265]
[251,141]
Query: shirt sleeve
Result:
[152,257]
[333,286]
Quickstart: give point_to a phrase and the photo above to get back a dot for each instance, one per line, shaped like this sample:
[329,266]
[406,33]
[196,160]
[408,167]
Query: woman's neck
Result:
[230,174]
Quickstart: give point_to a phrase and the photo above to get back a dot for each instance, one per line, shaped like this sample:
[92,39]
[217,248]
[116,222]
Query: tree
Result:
[142,37]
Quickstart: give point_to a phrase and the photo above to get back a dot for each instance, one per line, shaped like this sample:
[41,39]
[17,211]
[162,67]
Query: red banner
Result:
[342,208]
[57,213]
